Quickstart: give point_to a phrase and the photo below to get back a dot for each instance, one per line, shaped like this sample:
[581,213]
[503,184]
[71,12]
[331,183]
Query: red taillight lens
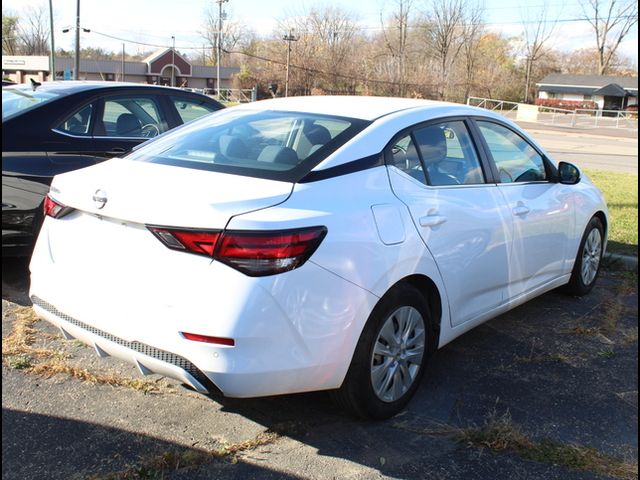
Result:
[54,209]
[266,253]
[202,242]
[253,253]
[207,339]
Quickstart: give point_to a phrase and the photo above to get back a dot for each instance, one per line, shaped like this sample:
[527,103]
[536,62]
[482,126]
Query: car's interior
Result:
[279,143]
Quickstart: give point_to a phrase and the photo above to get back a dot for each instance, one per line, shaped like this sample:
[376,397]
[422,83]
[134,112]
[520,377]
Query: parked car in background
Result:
[312,243]
[55,127]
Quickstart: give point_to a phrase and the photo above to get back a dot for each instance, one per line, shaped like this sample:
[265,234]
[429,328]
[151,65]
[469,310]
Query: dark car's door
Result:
[124,121]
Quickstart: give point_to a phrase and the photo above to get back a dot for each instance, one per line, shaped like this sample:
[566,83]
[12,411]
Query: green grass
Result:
[621,192]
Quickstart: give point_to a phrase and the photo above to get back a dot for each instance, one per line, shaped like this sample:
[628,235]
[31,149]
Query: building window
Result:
[588,98]
[551,95]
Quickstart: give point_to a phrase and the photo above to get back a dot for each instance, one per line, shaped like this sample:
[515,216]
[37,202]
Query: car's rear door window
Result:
[515,159]
[189,109]
[78,123]
[131,117]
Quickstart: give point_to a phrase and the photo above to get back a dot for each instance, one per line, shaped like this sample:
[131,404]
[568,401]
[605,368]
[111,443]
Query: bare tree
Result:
[472,33]
[33,31]
[233,33]
[537,32]
[396,33]
[611,21]
[444,27]
[9,33]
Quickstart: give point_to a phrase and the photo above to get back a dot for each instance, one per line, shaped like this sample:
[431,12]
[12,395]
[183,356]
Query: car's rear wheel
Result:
[390,357]
[587,263]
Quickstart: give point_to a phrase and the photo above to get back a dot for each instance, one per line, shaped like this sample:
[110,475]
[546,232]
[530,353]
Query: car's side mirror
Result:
[568,173]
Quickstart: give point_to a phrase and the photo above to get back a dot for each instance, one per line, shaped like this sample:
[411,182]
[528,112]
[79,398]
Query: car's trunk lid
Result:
[153,194]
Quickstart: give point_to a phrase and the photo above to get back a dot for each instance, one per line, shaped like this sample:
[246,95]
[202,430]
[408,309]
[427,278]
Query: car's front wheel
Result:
[587,263]
[390,357]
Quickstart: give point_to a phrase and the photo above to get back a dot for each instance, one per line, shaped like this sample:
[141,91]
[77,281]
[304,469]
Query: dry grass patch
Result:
[19,352]
[158,466]
[498,434]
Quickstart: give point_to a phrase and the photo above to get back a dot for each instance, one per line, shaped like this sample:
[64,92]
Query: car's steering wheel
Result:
[150,130]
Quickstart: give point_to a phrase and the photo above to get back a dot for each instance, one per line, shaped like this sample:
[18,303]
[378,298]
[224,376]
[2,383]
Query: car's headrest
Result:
[231,146]
[128,125]
[276,154]
[433,144]
[317,135]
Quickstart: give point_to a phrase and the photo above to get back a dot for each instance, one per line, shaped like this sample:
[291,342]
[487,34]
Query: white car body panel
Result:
[294,331]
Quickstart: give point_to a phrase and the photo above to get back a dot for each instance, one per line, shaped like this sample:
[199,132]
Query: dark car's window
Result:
[405,156]
[515,158]
[190,109]
[16,100]
[134,117]
[78,123]
[270,144]
[448,154]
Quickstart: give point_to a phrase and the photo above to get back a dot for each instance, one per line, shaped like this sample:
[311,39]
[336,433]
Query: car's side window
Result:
[404,156]
[134,117]
[191,109]
[515,158]
[78,123]
[449,155]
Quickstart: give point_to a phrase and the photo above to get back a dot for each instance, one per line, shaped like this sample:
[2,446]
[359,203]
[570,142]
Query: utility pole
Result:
[173,61]
[288,38]
[122,62]
[52,62]
[219,45]
[76,61]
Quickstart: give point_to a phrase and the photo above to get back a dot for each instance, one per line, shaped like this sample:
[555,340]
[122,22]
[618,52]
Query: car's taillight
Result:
[55,209]
[230,342]
[253,253]
[267,253]
[202,242]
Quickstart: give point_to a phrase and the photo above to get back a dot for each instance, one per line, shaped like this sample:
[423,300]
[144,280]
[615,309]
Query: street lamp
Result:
[76,60]
[173,62]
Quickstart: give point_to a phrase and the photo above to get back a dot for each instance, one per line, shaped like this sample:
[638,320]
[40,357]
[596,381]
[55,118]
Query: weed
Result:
[608,353]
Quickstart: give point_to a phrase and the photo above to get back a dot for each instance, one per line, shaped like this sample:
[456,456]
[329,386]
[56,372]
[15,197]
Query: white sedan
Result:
[312,243]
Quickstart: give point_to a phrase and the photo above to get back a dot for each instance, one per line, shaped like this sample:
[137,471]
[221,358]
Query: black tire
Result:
[357,394]
[577,285]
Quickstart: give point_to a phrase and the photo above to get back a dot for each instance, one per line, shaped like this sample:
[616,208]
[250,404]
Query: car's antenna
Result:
[34,84]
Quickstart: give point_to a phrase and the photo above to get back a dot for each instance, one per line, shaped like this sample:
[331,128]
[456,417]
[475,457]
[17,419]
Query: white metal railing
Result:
[581,117]
[502,106]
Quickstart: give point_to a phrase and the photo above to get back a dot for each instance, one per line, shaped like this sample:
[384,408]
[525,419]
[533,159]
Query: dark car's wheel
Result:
[587,264]
[390,357]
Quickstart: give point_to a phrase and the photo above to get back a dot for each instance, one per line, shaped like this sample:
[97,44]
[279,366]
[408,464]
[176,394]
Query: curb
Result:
[621,262]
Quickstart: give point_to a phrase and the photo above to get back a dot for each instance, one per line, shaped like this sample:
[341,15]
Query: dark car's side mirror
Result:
[568,173]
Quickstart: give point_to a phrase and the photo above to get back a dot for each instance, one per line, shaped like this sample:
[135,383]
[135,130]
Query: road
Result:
[616,151]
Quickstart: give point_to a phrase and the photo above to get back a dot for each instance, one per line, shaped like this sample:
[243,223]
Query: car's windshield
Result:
[19,99]
[267,144]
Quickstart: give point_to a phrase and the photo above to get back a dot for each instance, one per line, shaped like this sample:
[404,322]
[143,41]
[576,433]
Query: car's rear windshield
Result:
[16,100]
[275,145]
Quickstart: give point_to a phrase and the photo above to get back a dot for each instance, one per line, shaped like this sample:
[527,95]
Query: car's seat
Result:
[128,125]
[433,146]
[318,136]
[233,147]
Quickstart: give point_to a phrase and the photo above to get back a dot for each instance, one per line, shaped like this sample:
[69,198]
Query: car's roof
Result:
[362,107]
[75,86]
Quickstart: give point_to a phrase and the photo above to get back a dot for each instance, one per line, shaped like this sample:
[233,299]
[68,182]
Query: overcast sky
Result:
[155,21]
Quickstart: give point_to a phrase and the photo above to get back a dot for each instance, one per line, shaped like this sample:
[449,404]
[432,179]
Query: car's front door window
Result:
[515,158]
[131,117]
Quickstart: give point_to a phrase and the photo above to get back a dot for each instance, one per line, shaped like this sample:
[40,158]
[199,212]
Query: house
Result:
[163,67]
[606,92]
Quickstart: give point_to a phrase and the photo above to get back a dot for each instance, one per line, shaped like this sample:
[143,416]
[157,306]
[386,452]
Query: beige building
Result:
[159,68]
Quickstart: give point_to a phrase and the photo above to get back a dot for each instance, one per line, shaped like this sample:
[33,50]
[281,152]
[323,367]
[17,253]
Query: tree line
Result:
[437,49]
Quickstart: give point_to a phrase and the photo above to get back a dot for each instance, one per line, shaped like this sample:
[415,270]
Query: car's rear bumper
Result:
[293,332]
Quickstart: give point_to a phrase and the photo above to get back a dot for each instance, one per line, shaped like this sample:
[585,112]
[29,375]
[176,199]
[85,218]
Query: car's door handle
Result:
[432,220]
[117,150]
[520,210]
